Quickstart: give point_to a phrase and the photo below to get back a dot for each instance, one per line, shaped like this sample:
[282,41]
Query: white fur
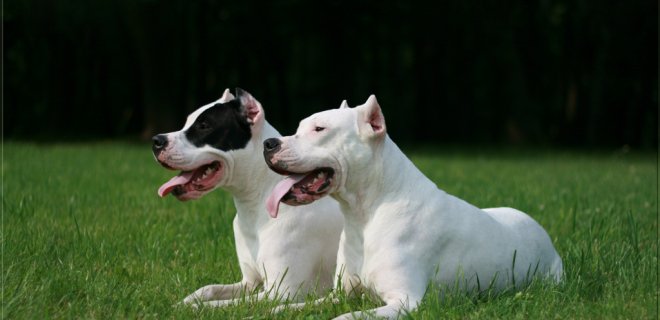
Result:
[301,243]
[402,232]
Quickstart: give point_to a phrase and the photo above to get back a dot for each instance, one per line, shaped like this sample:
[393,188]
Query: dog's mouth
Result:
[300,188]
[194,183]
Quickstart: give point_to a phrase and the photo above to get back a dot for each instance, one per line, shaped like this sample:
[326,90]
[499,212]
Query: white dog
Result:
[221,146]
[401,232]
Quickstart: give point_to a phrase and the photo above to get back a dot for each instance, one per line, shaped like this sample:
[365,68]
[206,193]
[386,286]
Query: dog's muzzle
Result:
[271,147]
[159,143]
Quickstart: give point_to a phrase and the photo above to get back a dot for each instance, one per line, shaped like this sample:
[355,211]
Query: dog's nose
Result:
[272,145]
[160,142]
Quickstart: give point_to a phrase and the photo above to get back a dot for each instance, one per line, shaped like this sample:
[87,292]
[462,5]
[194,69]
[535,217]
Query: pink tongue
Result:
[273,201]
[182,178]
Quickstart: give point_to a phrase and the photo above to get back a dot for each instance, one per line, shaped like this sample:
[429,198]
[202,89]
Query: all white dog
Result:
[221,146]
[401,232]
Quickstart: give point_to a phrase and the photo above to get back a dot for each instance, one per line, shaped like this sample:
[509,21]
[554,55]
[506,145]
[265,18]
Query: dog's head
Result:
[326,147]
[211,140]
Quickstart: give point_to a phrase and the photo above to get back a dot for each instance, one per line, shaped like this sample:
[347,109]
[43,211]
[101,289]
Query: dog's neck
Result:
[251,179]
[390,177]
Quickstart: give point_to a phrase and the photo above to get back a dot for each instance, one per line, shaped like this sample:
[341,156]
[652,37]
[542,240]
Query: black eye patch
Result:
[223,126]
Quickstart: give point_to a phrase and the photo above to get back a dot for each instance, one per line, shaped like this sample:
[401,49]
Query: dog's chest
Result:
[364,252]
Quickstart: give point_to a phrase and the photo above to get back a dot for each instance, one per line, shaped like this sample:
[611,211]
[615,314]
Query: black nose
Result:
[272,145]
[160,142]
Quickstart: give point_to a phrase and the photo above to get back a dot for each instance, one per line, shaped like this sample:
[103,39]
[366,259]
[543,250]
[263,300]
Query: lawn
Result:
[85,235]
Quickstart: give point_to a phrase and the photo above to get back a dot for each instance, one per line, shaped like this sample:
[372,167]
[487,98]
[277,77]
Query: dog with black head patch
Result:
[220,146]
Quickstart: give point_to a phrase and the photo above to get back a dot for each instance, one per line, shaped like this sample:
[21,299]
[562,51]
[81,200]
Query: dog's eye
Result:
[319,129]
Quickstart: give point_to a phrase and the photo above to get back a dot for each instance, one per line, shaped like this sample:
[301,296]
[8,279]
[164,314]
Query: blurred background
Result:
[557,73]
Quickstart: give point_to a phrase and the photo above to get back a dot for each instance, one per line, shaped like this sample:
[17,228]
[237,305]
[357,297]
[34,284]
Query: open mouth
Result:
[300,188]
[196,181]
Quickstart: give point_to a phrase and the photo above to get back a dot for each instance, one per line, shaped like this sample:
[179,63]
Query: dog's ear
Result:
[226,96]
[344,105]
[371,120]
[252,109]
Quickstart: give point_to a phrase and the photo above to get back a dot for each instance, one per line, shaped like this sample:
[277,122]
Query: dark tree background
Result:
[566,72]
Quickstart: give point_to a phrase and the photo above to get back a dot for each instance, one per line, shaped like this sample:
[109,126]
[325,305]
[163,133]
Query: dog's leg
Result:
[393,309]
[230,302]
[386,312]
[217,292]
[298,306]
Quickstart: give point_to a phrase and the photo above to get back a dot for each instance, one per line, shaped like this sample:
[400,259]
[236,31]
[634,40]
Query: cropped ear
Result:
[344,105]
[226,96]
[371,119]
[253,110]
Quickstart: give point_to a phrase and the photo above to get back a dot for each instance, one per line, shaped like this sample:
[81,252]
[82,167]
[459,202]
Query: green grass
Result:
[86,236]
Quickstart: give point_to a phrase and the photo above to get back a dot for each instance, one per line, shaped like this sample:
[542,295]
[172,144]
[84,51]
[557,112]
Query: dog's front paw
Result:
[191,301]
